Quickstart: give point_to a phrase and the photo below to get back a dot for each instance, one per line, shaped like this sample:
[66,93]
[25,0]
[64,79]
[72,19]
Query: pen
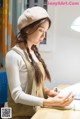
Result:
[56,89]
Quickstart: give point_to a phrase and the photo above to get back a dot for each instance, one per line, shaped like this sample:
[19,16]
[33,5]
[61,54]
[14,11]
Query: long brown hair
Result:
[22,37]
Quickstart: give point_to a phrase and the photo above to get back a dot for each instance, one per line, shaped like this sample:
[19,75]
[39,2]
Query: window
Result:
[31,3]
[45,4]
[27,4]
[1,3]
[42,3]
[35,1]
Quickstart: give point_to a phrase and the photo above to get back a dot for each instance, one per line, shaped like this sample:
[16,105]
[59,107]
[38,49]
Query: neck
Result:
[21,45]
[29,44]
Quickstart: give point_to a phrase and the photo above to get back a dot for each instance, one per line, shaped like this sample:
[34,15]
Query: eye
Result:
[41,30]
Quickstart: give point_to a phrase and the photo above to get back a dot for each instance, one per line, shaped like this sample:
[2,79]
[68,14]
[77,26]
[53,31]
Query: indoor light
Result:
[76,24]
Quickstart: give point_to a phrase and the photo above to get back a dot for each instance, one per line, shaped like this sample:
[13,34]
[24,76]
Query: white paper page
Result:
[75,89]
[75,105]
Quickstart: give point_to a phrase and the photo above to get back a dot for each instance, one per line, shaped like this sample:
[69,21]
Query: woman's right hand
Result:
[58,101]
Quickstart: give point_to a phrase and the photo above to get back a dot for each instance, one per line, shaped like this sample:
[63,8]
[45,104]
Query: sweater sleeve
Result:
[18,95]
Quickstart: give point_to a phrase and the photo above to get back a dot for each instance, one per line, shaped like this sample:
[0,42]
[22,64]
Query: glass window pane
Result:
[28,1]
[27,5]
[35,1]
[45,1]
[45,7]
[1,3]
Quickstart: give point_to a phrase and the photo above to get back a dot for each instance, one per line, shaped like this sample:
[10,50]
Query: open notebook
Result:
[75,89]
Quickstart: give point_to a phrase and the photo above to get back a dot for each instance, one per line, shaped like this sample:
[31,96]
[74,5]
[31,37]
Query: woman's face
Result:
[38,36]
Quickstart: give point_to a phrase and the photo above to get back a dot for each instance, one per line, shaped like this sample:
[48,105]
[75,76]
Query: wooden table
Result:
[48,113]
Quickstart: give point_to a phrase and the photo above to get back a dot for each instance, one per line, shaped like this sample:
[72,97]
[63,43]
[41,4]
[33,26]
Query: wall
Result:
[63,60]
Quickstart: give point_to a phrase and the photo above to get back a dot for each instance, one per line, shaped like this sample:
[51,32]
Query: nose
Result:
[43,35]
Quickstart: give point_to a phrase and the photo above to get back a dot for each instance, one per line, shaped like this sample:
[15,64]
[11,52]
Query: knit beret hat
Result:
[31,15]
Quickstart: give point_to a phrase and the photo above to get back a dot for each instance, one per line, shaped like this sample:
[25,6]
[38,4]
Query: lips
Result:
[40,40]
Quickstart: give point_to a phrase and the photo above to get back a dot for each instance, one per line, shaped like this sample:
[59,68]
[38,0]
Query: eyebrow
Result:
[43,27]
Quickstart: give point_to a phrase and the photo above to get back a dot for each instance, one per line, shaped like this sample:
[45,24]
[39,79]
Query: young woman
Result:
[27,71]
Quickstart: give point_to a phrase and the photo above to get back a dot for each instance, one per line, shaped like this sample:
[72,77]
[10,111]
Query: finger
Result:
[67,102]
[53,93]
[67,96]
[56,93]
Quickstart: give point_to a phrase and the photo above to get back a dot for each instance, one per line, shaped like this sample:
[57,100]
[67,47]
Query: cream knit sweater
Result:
[17,79]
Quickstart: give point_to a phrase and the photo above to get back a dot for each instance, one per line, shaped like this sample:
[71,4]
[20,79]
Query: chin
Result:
[37,43]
